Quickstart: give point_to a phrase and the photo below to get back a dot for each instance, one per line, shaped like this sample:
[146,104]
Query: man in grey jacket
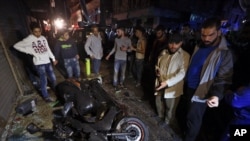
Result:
[93,47]
[208,76]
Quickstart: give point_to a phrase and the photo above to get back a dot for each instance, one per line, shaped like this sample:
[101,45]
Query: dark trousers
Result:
[182,108]
[194,120]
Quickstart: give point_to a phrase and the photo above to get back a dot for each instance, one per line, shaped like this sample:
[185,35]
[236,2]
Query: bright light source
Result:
[45,22]
[59,23]
[244,21]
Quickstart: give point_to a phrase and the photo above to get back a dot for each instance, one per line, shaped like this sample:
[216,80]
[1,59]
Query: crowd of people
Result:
[185,75]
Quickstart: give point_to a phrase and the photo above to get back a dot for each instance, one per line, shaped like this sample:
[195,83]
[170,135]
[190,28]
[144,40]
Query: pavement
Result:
[131,98]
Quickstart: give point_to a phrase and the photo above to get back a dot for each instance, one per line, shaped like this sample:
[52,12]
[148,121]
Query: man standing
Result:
[37,46]
[139,54]
[208,76]
[188,38]
[93,47]
[121,46]
[159,44]
[170,71]
[155,45]
[66,51]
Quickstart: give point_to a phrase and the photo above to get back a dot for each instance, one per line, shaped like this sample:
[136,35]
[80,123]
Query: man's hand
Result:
[77,56]
[92,57]
[107,57]
[157,72]
[123,48]
[162,85]
[55,62]
[132,48]
[213,101]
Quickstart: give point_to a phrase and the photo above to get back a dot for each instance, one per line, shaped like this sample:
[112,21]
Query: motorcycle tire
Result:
[132,125]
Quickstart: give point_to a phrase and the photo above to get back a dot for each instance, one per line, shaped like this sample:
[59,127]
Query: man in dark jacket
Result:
[209,75]
[66,51]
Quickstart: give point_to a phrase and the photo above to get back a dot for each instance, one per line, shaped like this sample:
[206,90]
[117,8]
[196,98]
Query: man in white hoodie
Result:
[36,45]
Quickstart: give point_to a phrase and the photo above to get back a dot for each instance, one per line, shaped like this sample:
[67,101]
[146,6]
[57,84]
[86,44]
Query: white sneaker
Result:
[138,85]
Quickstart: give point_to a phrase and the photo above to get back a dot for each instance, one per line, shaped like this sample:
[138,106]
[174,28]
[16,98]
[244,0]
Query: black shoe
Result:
[163,125]
[48,99]
[122,86]
[138,85]
[159,121]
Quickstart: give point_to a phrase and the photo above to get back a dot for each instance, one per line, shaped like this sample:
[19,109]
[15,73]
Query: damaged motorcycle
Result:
[90,114]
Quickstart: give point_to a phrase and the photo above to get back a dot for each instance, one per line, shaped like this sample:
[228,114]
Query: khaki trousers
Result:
[166,107]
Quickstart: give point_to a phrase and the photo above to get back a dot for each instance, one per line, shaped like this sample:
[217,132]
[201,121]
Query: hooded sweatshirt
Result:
[37,47]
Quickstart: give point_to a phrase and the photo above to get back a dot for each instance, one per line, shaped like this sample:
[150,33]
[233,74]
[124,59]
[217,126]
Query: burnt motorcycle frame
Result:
[110,121]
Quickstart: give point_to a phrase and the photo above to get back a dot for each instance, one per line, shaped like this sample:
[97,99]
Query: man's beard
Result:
[211,43]
[173,51]
[159,37]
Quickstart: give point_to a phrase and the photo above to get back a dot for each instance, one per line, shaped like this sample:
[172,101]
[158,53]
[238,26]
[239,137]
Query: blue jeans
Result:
[33,77]
[120,65]
[138,69]
[72,67]
[44,70]
[96,63]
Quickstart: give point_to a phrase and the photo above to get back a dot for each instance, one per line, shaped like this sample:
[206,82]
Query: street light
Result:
[59,23]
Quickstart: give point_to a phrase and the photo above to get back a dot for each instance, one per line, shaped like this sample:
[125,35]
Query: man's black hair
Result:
[175,38]
[211,22]
[140,29]
[94,26]
[121,28]
[34,25]
[62,32]
[160,27]
[186,25]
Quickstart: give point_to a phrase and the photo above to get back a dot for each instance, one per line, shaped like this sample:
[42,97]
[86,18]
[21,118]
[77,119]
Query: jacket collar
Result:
[223,44]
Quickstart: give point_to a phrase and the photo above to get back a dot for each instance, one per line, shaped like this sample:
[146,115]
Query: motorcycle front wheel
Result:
[133,128]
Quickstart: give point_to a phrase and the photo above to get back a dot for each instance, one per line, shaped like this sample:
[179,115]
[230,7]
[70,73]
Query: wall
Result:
[12,28]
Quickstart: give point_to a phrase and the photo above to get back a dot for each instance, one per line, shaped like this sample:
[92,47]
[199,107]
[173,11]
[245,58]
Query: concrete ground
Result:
[131,98]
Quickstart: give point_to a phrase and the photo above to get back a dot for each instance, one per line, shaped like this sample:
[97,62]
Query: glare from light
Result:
[59,23]
[45,22]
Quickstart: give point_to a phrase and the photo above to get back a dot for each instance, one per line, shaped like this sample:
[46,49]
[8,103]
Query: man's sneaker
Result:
[48,99]
[117,90]
[122,86]
[47,88]
[138,85]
